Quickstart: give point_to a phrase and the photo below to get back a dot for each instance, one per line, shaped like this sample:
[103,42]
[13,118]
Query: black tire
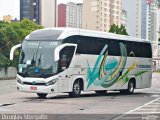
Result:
[42,95]
[76,91]
[101,92]
[130,89]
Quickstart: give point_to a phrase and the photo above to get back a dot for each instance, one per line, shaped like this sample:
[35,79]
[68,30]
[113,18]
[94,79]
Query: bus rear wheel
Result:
[130,89]
[42,95]
[76,89]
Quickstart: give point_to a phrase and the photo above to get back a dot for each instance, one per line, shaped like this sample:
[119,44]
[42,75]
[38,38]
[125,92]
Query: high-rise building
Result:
[152,21]
[30,9]
[49,13]
[136,17]
[62,15]
[139,18]
[43,12]
[142,18]
[101,14]
[70,15]
[7,18]
[153,28]
[124,18]
[74,15]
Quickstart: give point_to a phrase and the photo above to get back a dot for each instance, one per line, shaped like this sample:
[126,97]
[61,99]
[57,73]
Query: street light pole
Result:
[158,56]
[158,51]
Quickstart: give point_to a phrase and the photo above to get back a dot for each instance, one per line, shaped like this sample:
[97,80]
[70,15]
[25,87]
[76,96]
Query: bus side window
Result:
[132,54]
[63,62]
[114,48]
[66,55]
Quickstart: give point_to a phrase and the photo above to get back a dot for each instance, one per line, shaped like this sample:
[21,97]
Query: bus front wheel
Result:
[42,95]
[76,91]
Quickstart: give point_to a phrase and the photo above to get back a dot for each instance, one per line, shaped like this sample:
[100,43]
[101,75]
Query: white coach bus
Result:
[73,60]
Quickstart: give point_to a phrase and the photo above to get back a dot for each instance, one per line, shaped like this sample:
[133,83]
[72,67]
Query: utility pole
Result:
[158,56]
[158,50]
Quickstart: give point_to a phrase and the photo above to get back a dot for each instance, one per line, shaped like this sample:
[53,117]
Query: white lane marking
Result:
[142,106]
[147,113]
[131,111]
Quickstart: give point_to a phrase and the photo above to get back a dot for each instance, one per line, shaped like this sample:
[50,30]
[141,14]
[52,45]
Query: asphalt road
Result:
[96,107]
[7,86]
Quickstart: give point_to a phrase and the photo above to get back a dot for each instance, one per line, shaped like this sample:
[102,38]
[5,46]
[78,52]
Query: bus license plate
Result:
[33,88]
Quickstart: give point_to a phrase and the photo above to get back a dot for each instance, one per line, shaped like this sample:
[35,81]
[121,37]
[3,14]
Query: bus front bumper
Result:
[37,89]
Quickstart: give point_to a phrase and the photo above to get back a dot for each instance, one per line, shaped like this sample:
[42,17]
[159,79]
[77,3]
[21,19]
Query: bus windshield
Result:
[37,59]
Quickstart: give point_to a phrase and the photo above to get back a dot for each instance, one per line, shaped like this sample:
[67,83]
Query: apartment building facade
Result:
[74,15]
[7,18]
[101,14]
[43,12]
[124,18]
[30,9]
[62,15]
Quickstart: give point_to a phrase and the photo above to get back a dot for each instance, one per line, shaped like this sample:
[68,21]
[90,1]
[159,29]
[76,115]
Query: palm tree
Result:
[158,4]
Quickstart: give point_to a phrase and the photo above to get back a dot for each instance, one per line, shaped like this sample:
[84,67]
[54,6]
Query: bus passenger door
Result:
[66,55]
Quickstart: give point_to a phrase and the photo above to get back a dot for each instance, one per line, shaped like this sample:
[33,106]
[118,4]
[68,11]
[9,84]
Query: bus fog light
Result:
[52,82]
[52,90]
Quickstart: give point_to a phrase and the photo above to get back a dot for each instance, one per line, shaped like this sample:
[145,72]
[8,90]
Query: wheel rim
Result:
[76,88]
[131,87]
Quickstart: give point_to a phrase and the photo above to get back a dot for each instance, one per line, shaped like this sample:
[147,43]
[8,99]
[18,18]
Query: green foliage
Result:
[24,28]
[12,34]
[4,61]
[118,29]
[158,4]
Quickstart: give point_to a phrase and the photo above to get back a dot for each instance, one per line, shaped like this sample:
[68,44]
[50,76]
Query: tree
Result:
[158,4]
[118,30]
[24,28]
[12,34]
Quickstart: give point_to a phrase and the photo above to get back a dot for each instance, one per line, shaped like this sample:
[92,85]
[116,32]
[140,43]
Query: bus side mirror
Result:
[59,48]
[13,49]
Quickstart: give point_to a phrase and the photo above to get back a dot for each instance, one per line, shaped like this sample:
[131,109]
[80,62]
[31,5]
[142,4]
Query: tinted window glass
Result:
[87,45]
[114,48]
[71,39]
[139,49]
[101,44]
[66,55]
[93,45]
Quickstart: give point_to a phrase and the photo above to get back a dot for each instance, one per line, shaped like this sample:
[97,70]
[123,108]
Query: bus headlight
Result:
[19,81]
[52,82]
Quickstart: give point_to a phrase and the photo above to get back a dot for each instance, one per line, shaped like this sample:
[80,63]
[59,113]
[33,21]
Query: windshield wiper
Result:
[33,61]
[39,60]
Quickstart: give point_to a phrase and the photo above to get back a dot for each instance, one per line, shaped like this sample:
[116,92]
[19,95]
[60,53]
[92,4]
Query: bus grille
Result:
[39,84]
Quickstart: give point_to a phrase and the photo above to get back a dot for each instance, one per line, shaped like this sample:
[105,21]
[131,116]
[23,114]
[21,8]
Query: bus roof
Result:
[62,33]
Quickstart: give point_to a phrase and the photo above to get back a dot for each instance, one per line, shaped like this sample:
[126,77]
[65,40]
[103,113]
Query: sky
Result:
[131,15]
[11,7]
